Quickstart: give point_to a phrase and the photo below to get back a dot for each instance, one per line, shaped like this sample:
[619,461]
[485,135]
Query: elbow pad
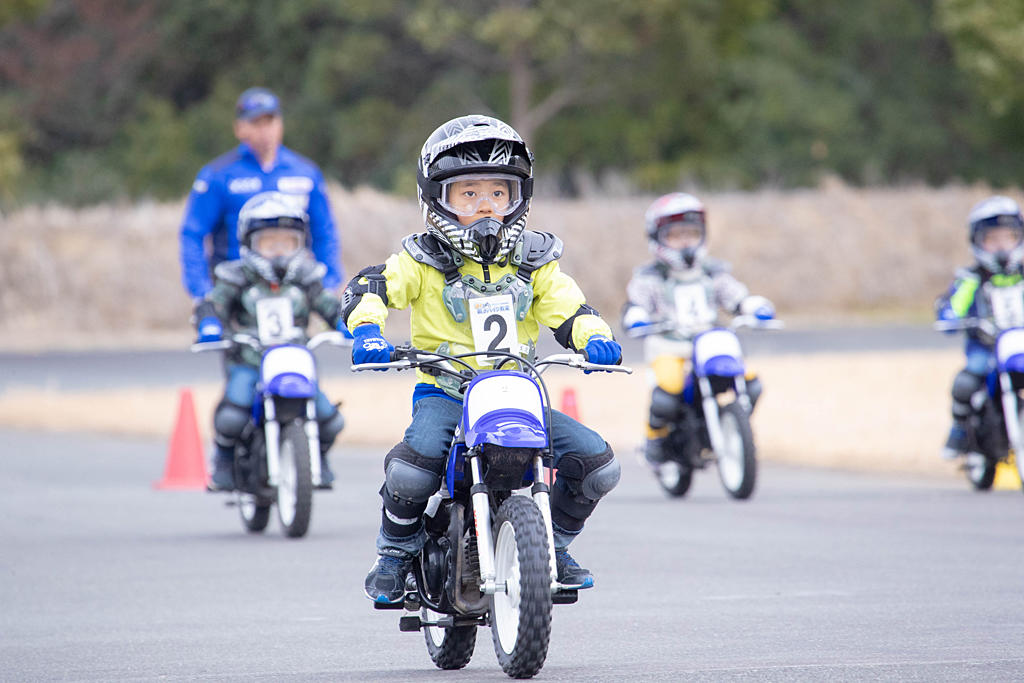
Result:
[563,334]
[370,280]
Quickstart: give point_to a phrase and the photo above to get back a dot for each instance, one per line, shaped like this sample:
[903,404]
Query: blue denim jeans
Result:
[434,420]
[980,358]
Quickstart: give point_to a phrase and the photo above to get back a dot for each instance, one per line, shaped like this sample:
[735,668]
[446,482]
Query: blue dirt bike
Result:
[996,426]
[710,423]
[277,459]
[489,558]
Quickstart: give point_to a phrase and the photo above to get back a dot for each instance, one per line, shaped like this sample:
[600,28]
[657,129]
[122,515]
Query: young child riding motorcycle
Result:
[996,235]
[476,280]
[272,233]
[685,287]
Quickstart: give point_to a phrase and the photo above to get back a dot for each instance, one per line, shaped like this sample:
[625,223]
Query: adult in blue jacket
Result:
[260,163]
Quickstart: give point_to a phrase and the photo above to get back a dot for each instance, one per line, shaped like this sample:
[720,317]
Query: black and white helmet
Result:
[996,212]
[669,210]
[272,211]
[481,148]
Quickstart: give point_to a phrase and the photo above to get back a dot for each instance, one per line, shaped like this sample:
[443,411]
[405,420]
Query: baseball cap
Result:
[256,102]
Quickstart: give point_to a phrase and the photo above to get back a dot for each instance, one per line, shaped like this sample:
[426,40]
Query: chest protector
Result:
[533,250]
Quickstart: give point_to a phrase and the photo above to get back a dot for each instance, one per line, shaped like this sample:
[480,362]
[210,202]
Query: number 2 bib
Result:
[493,321]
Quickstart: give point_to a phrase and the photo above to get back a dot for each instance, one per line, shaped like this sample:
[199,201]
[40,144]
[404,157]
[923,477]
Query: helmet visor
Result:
[998,233]
[469,195]
[681,234]
[275,242]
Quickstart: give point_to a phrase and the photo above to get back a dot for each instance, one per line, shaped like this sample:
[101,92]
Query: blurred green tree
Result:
[101,98]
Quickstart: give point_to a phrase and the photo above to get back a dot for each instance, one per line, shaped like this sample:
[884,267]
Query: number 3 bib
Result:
[493,321]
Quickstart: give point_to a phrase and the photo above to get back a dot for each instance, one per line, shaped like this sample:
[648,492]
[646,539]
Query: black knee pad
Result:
[329,430]
[580,483]
[229,420]
[409,479]
[964,386]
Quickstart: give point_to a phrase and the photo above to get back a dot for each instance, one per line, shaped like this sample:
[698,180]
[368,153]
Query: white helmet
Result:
[265,211]
[670,209]
[480,147]
[996,212]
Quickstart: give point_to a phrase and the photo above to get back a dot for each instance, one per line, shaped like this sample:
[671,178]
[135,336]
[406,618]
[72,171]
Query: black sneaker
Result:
[223,477]
[386,581]
[654,451]
[956,443]
[570,573]
[326,475]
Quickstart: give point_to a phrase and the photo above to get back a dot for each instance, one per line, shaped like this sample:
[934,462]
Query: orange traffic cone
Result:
[569,403]
[185,469]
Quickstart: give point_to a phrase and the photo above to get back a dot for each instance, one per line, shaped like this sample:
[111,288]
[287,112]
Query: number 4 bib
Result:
[493,320]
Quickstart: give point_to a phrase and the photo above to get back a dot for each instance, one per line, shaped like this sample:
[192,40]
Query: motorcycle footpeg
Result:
[410,624]
[565,596]
[389,605]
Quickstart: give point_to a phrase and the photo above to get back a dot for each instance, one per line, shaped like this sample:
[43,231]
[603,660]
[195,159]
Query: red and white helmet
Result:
[671,209]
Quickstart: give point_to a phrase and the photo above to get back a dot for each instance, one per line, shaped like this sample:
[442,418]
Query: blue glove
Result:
[370,346]
[343,328]
[210,329]
[603,351]
[946,314]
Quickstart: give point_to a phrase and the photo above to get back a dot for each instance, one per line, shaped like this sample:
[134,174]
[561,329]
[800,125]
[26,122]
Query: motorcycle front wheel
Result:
[294,481]
[737,463]
[980,470]
[449,648]
[674,478]
[521,613]
[254,515]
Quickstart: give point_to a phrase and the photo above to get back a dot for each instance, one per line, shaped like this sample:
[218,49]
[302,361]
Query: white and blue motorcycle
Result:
[711,421]
[489,558]
[996,427]
[277,458]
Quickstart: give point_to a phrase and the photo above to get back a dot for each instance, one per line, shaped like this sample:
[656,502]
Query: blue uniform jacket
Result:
[220,190]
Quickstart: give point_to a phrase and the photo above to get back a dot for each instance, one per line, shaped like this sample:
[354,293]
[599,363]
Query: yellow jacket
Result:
[412,283]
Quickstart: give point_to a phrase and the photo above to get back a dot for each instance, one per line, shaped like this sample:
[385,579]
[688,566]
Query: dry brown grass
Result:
[854,411]
[113,271]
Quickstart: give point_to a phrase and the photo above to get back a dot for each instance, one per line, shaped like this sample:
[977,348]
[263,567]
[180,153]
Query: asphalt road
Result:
[84,370]
[821,576]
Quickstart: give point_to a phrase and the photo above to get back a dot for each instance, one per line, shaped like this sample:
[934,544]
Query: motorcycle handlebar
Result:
[242,339]
[403,358]
[739,322]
